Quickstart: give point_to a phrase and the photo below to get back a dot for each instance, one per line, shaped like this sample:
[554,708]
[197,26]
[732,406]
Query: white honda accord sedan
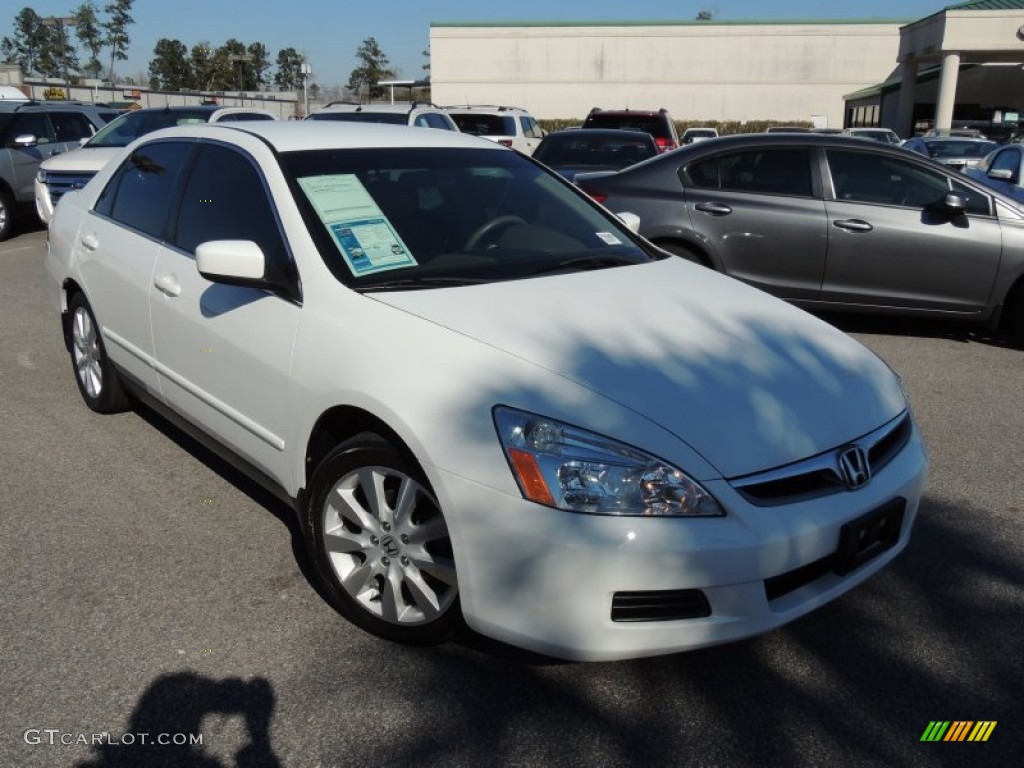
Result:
[487,399]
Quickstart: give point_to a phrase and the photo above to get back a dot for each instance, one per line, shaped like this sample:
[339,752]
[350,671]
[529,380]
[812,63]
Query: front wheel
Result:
[6,214]
[380,543]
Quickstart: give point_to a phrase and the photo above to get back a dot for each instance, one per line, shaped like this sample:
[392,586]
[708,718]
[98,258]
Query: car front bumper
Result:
[544,579]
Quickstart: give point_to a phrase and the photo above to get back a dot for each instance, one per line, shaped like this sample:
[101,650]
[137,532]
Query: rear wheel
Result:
[683,252]
[380,543]
[94,373]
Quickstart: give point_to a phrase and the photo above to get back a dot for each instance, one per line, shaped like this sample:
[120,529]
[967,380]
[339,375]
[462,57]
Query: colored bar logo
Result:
[958,730]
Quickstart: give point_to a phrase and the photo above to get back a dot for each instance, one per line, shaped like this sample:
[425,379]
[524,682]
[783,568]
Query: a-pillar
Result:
[905,114]
[947,91]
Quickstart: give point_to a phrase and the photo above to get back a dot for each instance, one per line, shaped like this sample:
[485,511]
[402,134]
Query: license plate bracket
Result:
[868,536]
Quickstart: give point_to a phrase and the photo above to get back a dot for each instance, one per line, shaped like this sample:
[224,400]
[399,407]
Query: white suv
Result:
[72,170]
[509,126]
[415,114]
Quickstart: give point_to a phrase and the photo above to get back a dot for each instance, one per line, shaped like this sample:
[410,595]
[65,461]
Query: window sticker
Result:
[362,232]
[609,238]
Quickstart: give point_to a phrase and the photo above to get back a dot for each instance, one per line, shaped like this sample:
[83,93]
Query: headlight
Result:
[41,176]
[570,468]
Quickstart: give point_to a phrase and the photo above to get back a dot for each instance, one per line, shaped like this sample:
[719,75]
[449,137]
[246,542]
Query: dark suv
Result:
[30,132]
[658,123]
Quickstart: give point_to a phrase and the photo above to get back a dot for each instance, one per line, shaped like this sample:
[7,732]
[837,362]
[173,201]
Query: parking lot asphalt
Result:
[149,589]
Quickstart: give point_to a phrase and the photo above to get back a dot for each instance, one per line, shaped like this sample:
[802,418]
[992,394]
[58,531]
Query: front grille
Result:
[60,183]
[820,475]
[662,605]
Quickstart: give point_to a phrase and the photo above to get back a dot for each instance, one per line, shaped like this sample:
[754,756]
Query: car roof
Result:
[295,135]
[10,105]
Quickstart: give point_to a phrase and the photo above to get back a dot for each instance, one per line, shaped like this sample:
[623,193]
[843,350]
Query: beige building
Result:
[698,71]
[730,71]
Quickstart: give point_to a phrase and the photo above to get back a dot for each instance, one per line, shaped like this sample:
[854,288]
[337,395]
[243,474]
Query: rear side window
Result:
[776,171]
[142,191]
[70,126]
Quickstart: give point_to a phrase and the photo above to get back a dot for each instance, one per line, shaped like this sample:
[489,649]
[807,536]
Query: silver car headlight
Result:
[41,176]
[569,468]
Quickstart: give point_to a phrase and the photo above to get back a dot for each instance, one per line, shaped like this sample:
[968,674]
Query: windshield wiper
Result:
[587,263]
[418,283]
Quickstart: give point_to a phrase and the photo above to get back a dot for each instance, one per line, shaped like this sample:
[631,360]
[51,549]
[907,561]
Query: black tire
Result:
[684,252]
[391,573]
[7,213]
[95,375]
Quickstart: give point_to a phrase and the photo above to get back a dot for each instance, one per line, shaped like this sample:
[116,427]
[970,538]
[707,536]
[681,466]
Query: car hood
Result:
[744,379]
[83,159]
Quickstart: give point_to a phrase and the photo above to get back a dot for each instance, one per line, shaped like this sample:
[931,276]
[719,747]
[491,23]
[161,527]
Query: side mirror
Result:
[1001,174]
[954,203]
[25,140]
[631,220]
[232,262]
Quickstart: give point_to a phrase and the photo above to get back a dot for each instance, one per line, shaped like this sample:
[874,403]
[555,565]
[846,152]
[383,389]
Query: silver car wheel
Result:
[86,351]
[389,546]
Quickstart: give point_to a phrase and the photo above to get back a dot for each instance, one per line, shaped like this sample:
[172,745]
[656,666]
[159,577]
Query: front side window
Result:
[775,171]
[225,199]
[28,124]
[430,216]
[142,191]
[864,177]
[1007,160]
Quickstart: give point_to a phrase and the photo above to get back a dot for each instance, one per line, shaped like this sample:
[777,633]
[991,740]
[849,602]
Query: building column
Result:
[905,114]
[947,91]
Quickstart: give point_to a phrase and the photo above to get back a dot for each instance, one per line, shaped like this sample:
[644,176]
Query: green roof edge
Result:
[664,23]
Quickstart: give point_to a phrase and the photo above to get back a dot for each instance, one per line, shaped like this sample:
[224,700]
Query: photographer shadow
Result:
[172,710]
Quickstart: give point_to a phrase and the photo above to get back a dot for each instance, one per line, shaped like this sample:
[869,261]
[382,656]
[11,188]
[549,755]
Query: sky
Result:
[330,31]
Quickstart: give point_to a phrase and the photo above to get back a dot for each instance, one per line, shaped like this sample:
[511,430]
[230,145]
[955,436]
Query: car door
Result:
[891,243]
[224,351]
[118,246]
[760,210]
[25,158]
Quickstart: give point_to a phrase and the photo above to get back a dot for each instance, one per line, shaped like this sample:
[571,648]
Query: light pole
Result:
[240,57]
[307,70]
[60,22]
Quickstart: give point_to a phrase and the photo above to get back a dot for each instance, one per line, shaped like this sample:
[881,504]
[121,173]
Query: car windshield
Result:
[485,125]
[394,118]
[572,149]
[944,149]
[128,127]
[387,219]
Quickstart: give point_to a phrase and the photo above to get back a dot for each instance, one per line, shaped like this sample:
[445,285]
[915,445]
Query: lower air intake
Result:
[662,605]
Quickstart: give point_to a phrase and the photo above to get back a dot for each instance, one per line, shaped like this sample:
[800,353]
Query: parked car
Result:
[484,395]
[693,135]
[956,152]
[414,114]
[594,149]
[72,170]
[31,132]
[1001,170]
[509,126]
[832,222]
[658,123]
[883,135]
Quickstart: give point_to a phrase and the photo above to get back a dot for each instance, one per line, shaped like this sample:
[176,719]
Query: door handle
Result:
[715,209]
[853,225]
[90,243]
[169,285]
